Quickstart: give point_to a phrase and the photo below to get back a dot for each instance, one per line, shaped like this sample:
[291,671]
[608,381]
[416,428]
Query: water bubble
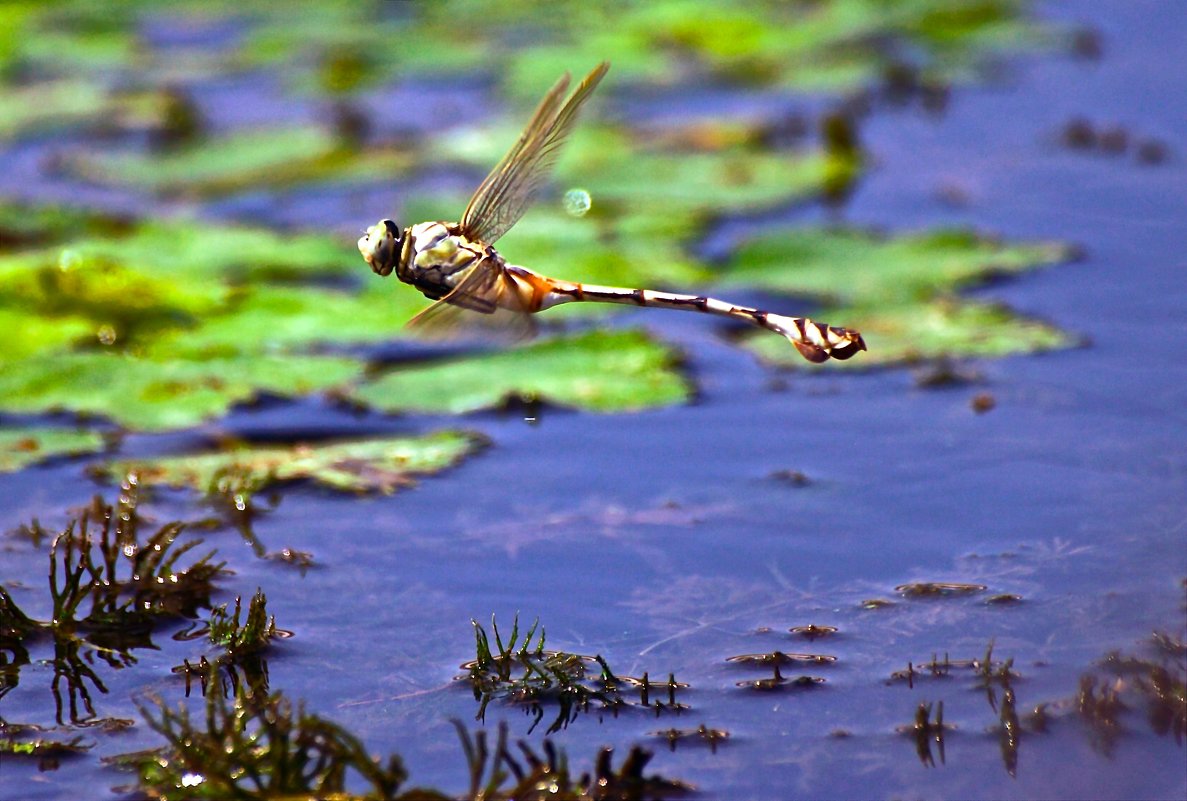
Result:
[106,335]
[577,202]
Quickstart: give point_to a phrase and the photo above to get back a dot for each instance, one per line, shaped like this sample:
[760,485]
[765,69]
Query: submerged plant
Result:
[107,591]
[524,673]
[251,746]
[242,645]
[547,777]
[18,740]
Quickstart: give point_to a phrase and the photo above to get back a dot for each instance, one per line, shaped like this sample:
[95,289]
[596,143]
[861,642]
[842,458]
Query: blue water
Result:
[662,541]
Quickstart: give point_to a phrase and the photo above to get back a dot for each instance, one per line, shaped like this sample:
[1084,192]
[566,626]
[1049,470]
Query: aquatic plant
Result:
[925,731]
[28,742]
[258,747]
[262,747]
[547,777]
[535,678]
[126,582]
[241,645]
[108,590]
[702,734]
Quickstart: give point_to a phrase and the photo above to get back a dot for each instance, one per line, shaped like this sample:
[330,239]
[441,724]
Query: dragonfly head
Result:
[381,246]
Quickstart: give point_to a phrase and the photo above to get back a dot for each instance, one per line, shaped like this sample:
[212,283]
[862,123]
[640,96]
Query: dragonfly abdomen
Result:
[816,342]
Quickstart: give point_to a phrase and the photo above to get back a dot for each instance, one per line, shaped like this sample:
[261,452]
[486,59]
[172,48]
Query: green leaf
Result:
[912,332]
[21,447]
[48,104]
[598,371]
[27,334]
[25,225]
[857,267]
[219,164]
[370,465]
[270,319]
[148,395]
[182,251]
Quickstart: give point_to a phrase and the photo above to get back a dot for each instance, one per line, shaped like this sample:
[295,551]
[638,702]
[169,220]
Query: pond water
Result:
[668,541]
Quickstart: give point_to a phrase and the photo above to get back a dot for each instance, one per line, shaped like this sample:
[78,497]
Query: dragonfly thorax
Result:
[437,256]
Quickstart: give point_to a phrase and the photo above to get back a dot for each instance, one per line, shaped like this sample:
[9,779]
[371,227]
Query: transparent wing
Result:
[483,306]
[504,195]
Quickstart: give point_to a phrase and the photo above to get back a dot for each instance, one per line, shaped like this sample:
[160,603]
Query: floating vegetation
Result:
[257,747]
[780,658]
[938,589]
[986,669]
[24,741]
[908,305]
[108,591]
[90,566]
[241,645]
[793,478]
[813,631]
[534,678]
[777,660]
[21,447]
[780,682]
[701,734]
[876,603]
[260,747]
[1160,686]
[301,560]
[601,371]
[1004,599]
[541,778]
[384,464]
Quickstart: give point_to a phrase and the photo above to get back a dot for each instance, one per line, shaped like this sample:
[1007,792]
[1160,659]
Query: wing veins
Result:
[504,194]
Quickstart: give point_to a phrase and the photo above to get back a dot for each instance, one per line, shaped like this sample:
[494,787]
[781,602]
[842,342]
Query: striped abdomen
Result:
[815,341]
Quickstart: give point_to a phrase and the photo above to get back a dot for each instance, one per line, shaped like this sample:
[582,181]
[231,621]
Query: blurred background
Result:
[986,505]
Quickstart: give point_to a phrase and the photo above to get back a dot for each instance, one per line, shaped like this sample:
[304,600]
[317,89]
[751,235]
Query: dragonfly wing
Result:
[485,305]
[504,195]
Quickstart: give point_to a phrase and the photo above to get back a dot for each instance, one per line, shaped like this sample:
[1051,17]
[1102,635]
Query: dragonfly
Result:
[456,265]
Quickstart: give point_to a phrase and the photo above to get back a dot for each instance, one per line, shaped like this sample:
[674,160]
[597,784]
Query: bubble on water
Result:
[577,202]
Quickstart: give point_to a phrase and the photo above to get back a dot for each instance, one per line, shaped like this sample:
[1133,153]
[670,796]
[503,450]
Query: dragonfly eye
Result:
[381,246]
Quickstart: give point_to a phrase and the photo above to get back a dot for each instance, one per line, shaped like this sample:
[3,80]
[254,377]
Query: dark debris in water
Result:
[780,658]
[813,631]
[1111,139]
[701,734]
[780,683]
[938,589]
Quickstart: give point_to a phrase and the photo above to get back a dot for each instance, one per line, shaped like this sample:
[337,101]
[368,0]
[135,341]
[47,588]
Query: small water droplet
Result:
[578,202]
[106,334]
